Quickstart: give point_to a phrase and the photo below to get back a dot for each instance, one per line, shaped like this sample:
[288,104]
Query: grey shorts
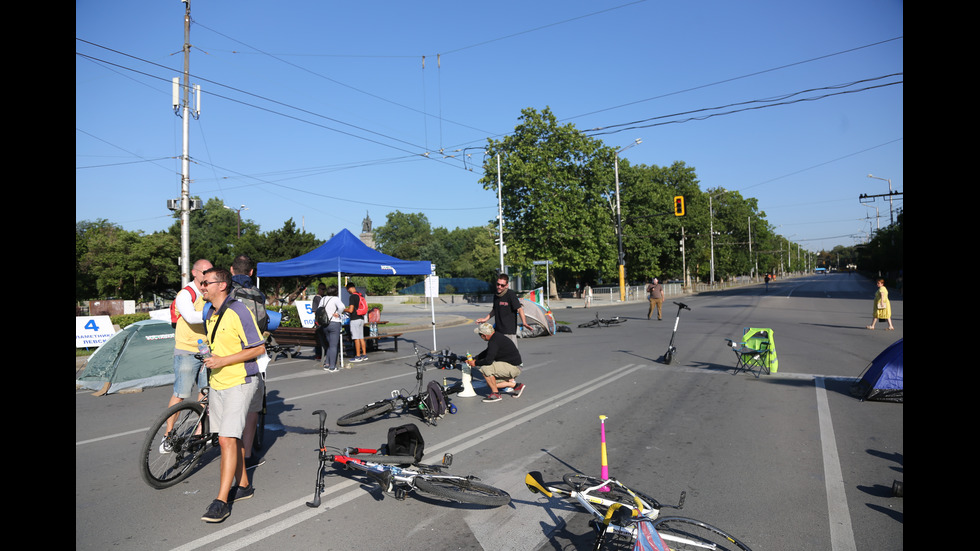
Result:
[500,370]
[357,329]
[230,406]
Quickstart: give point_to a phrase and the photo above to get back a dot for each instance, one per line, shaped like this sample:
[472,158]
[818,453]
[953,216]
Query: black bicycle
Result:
[168,456]
[603,322]
[405,402]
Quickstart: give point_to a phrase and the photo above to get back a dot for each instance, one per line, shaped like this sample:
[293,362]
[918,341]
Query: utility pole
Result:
[182,108]
[619,223]
[500,214]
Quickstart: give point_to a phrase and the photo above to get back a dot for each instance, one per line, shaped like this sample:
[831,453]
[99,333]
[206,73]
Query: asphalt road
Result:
[783,461]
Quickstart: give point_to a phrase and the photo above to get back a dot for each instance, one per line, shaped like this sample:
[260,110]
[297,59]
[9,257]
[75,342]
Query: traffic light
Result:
[679,205]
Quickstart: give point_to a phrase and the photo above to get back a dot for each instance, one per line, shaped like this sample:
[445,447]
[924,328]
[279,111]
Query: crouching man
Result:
[500,363]
[235,344]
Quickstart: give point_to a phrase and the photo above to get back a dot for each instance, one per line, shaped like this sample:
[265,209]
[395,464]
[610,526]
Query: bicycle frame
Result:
[607,523]
[399,475]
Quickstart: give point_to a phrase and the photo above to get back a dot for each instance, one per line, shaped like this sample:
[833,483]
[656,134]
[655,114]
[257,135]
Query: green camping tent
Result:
[141,355]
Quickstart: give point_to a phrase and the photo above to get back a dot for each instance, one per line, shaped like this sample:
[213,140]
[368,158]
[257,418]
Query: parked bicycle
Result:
[400,474]
[600,322]
[406,402]
[622,515]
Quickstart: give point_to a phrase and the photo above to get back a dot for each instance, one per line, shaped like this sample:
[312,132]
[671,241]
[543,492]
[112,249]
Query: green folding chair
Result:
[757,349]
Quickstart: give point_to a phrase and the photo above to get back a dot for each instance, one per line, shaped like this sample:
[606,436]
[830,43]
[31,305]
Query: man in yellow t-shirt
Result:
[235,344]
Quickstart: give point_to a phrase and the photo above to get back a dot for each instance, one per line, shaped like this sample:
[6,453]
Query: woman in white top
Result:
[333,307]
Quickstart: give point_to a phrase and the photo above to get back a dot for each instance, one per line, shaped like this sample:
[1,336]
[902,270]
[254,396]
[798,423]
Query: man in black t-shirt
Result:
[500,363]
[357,300]
[506,308]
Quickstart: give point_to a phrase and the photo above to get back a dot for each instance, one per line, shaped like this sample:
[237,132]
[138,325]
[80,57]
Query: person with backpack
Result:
[186,315]
[318,302]
[242,290]
[357,309]
[327,314]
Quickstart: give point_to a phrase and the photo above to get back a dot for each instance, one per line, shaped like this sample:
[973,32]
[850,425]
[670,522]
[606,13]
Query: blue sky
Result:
[325,111]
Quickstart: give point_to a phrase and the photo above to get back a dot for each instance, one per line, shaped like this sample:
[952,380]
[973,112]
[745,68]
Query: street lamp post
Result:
[238,213]
[619,223]
[890,204]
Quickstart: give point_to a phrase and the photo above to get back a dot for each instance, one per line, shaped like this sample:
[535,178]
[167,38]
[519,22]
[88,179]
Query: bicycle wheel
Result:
[682,534]
[463,491]
[592,323]
[369,411]
[166,459]
[259,428]
[615,321]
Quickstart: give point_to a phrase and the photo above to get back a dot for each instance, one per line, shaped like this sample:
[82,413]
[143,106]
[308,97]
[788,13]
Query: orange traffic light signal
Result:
[679,205]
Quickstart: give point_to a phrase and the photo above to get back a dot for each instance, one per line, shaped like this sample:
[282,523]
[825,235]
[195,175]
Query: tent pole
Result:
[433,309]
[339,295]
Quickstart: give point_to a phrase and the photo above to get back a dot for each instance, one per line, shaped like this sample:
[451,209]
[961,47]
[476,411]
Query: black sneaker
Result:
[519,389]
[492,398]
[239,493]
[217,511]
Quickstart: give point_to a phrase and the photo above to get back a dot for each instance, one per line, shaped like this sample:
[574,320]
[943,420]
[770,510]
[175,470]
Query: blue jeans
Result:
[187,368]
[331,336]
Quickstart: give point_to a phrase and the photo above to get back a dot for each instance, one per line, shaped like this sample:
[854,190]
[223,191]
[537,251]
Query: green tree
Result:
[278,245]
[556,187]
[111,261]
[652,233]
[404,235]
[214,233]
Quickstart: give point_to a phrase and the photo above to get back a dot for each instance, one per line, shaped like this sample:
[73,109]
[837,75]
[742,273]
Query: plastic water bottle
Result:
[203,349]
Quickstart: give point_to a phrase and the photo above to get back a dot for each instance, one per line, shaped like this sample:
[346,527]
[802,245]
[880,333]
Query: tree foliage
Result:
[556,188]
[113,262]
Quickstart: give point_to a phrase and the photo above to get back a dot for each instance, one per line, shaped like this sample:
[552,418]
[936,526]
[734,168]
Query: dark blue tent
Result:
[343,254]
[882,380]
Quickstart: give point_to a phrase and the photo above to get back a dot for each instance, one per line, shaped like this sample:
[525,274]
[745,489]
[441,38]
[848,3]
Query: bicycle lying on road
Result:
[599,322]
[624,516]
[405,402]
[401,474]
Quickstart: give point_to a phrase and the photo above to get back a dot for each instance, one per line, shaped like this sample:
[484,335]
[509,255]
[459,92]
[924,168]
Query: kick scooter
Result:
[669,355]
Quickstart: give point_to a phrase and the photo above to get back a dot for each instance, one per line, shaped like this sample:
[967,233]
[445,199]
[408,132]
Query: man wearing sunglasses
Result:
[506,308]
[235,344]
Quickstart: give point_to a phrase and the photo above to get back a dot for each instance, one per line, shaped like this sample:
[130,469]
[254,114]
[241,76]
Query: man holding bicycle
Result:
[500,363]
[235,344]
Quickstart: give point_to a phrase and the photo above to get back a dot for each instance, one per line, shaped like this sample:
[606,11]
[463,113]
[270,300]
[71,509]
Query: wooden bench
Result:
[297,337]
[372,342]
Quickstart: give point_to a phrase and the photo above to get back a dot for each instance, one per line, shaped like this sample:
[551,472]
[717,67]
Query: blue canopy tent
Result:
[345,254]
